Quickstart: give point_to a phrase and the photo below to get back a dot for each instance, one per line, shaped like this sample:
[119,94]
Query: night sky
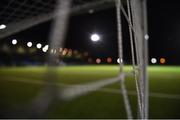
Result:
[164,30]
[163,23]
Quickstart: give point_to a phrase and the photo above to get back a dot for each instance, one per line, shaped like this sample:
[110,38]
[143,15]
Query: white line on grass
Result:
[79,90]
[84,87]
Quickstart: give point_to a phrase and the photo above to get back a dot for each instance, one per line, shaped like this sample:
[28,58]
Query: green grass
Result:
[97,104]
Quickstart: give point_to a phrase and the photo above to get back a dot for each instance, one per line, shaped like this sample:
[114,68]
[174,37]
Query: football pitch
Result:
[20,85]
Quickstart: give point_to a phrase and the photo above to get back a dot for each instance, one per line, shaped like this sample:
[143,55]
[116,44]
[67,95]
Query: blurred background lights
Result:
[44,49]
[90,60]
[95,37]
[2,26]
[119,60]
[70,52]
[64,52]
[39,46]
[91,11]
[29,44]
[60,49]
[14,41]
[46,46]
[162,60]
[109,60]
[153,60]
[98,60]
[146,36]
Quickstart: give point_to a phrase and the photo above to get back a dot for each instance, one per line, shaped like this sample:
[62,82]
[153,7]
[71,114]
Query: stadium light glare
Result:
[46,46]
[64,52]
[153,60]
[95,37]
[109,60]
[44,49]
[118,60]
[98,60]
[162,60]
[146,36]
[14,41]
[29,44]
[2,26]
[39,45]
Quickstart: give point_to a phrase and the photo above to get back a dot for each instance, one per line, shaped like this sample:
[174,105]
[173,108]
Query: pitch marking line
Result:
[86,87]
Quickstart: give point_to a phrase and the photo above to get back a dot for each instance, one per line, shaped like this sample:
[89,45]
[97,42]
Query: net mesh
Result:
[17,10]
[28,13]
[23,14]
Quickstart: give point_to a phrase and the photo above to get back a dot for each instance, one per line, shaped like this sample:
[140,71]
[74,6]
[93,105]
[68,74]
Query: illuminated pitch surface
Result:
[19,85]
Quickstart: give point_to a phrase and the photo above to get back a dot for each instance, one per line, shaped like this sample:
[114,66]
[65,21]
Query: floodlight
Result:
[98,60]
[153,60]
[109,60]
[14,41]
[119,60]
[2,26]
[46,46]
[39,45]
[29,44]
[44,49]
[95,37]
[162,60]
[146,36]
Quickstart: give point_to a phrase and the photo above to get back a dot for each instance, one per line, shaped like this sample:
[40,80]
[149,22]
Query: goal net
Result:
[19,15]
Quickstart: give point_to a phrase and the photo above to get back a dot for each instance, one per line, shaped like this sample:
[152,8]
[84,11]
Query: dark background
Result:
[163,27]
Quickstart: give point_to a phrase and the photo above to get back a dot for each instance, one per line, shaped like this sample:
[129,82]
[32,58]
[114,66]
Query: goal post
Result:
[138,24]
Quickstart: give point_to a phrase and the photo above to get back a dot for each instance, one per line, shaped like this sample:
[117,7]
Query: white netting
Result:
[19,15]
[17,10]
[28,13]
